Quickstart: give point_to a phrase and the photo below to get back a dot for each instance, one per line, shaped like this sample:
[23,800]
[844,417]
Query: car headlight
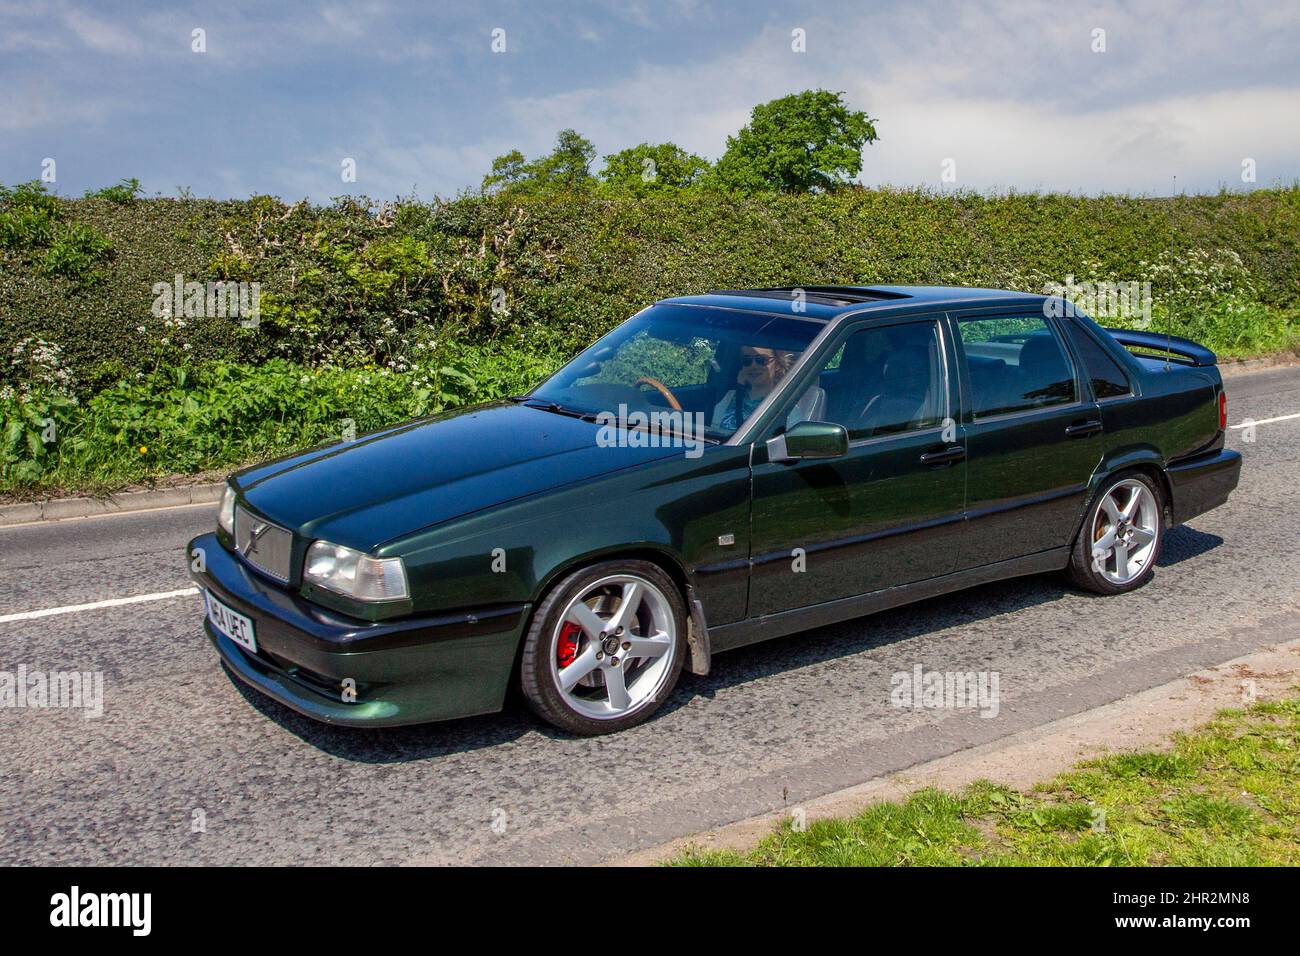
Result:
[226,513]
[354,574]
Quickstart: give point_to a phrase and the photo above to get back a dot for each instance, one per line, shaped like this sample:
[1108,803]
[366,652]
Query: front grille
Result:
[264,545]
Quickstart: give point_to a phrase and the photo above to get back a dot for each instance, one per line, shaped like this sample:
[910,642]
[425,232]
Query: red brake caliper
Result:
[567,648]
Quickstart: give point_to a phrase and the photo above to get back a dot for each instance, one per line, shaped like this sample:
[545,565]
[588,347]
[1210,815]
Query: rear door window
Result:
[1016,364]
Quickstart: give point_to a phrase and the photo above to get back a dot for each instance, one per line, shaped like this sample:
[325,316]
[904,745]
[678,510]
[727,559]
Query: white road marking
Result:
[95,605]
[1267,421]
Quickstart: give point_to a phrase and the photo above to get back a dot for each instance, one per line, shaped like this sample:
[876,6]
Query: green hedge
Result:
[353,282]
[378,312]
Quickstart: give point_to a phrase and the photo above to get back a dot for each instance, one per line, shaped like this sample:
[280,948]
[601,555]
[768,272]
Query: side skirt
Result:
[730,636]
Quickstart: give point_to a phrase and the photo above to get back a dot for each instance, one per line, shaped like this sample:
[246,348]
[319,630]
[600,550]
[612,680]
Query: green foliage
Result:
[508,170]
[34,231]
[646,168]
[29,435]
[28,216]
[804,142]
[567,166]
[407,288]
[181,419]
[380,269]
[124,193]
[75,251]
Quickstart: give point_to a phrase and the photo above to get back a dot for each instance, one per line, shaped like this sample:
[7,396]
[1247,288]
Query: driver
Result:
[761,370]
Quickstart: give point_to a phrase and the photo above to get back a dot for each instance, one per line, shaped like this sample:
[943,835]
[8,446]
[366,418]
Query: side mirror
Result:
[809,440]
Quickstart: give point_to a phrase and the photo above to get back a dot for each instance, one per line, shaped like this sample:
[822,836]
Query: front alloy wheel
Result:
[605,648]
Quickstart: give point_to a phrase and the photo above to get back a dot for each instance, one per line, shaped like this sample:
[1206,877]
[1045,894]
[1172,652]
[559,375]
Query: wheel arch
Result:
[657,555]
[1158,474]
[700,656]
[1146,461]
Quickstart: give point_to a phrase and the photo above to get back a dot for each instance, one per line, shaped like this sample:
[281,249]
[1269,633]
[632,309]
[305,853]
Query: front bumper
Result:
[1203,482]
[406,671]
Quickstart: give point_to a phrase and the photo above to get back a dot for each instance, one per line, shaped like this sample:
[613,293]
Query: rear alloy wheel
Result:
[605,648]
[1120,539]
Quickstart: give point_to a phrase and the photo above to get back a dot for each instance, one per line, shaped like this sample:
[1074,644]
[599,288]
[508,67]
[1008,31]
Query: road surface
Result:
[186,766]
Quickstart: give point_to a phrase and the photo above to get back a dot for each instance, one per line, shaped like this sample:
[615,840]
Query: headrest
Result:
[1040,349]
[909,361]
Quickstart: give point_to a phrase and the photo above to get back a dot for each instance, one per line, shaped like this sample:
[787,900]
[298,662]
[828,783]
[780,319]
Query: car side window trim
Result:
[1082,387]
[894,436]
[1040,412]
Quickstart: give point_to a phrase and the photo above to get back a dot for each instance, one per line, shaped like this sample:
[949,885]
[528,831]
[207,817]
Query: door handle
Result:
[1083,428]
[951,453]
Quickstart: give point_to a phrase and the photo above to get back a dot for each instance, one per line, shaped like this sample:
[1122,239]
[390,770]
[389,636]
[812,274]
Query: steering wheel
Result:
[663,390]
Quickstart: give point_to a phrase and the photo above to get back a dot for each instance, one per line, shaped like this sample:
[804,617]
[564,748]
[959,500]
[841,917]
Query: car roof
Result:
[826,302]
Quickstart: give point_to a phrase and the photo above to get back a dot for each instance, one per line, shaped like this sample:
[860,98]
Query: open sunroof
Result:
[823,294]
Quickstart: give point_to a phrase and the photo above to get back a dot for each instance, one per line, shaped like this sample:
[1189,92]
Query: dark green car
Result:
[718,470]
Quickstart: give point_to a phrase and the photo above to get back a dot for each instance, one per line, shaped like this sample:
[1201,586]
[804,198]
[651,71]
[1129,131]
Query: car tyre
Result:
[604,648]
[1119,543]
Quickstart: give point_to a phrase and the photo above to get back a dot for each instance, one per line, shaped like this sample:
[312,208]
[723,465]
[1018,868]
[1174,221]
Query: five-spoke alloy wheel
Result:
[1120,539]
[605,647]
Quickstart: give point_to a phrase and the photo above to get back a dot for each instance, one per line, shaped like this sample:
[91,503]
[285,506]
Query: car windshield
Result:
[715,364]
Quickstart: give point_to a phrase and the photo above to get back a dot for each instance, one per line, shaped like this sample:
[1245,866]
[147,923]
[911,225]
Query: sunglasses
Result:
[747,360]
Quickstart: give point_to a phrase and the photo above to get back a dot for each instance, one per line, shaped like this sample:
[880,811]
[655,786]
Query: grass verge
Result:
[1225,795]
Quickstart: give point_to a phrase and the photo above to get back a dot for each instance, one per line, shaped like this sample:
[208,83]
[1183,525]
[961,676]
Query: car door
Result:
[889,511]
[1033,436]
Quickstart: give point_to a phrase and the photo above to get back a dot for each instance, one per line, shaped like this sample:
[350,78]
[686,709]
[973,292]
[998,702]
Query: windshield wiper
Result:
[549,406]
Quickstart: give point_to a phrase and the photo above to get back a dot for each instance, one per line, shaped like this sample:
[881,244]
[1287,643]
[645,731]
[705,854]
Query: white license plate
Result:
[234,625]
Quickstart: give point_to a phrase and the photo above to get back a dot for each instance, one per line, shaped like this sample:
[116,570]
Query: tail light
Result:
[1223,410]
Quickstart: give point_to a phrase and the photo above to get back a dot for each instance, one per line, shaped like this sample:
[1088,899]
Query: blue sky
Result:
[1012,94]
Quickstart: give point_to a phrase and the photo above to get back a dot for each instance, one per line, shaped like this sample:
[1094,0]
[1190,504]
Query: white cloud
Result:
[102,36]
[1002,144]
[975,92]
[1010,90]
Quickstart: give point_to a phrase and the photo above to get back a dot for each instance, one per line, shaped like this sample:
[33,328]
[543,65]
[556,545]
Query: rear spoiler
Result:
[1184,350]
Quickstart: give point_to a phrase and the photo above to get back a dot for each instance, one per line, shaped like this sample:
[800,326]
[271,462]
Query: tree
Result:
[508,170]
[646,168]
[799,143]
[568,166]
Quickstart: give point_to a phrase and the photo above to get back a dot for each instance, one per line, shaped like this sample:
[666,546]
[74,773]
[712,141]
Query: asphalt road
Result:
[775,724]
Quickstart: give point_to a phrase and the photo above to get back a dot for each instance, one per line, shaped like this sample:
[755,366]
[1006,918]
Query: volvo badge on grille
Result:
[254,534]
